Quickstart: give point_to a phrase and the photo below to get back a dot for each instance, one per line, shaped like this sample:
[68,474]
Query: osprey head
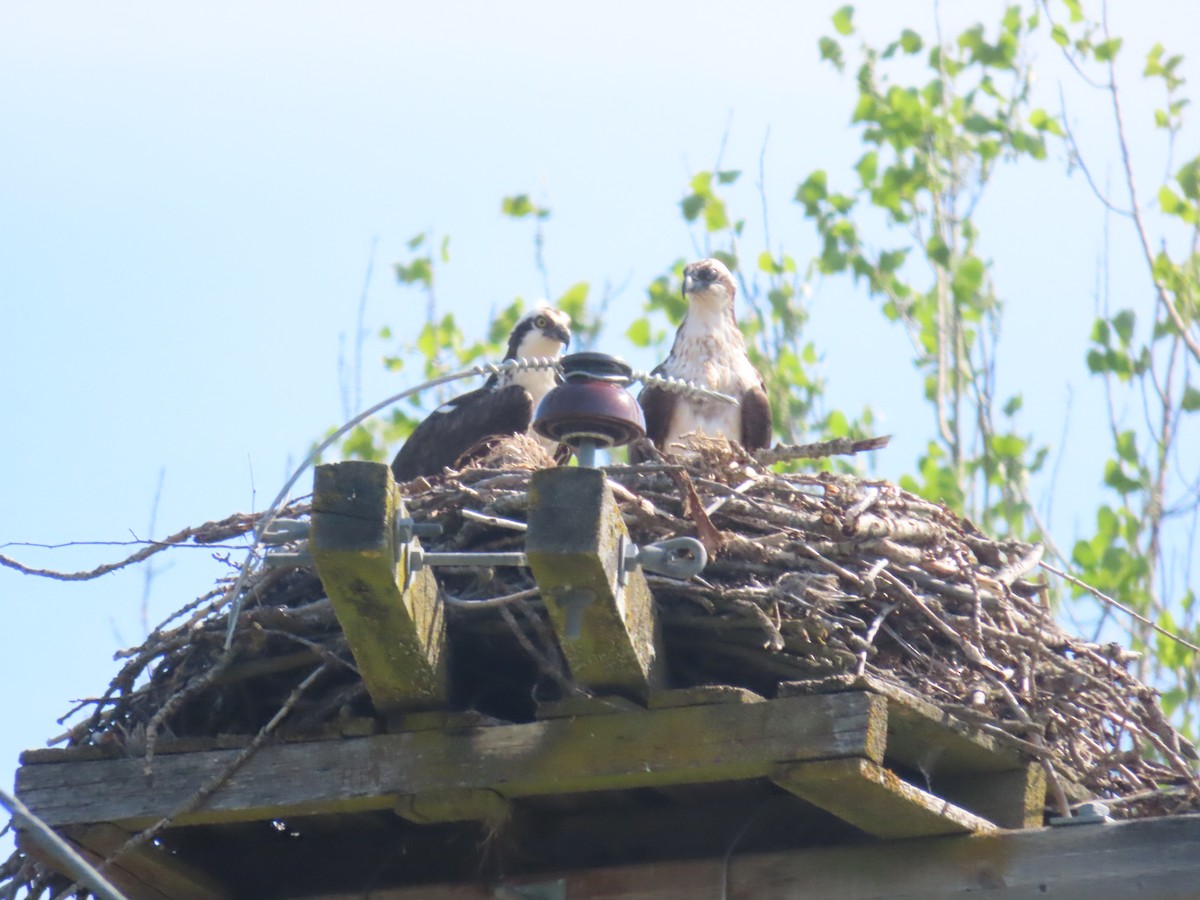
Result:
[543,331]
[709,284]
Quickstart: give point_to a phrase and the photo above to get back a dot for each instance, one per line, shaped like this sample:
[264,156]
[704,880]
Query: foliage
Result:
[936,119]
[1146,355]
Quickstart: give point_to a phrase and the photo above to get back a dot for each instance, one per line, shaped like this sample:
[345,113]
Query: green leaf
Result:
[1123,322]
[1115,478]
[1073,6]
[427,341]
[419,271]
[837,425]
[692,205]
[767,264]
[639,332]
[729,176]
[1043,121]
[574,300]
[910,41]
[517,206]
[1189,179]
[1013,405]
[1154,64]
[867,167]
[842,20]
[1172,204]
[1012,19]
[416,241]
[1008,445]
[1127,446]
[1191,399]
[1058,34]
[831,50]
[1108,50]
[969,276]
[360,444]
[503,322]
[937,250]
[715,218]
[812,191]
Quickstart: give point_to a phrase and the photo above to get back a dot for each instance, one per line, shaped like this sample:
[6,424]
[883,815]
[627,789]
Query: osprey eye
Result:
[541,322]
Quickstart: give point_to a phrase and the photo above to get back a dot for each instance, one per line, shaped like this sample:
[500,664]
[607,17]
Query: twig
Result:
[491,602]
[219,781]
[1100,595]
[494,521]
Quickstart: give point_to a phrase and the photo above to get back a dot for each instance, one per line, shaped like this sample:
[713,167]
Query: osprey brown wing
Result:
[460,426]
[756,419]
[658,406]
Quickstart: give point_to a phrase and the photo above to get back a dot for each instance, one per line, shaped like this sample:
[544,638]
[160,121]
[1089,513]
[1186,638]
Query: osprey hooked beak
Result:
[556,331]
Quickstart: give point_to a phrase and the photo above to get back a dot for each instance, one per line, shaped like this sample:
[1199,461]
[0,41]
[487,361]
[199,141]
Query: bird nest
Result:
[812,575]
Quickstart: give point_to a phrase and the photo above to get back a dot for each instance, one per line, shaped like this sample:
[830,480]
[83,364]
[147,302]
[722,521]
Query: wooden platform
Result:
[666,785]
[838,760]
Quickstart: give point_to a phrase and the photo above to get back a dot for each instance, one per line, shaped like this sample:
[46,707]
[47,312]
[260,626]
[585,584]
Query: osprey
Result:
[708,351]
[503,406]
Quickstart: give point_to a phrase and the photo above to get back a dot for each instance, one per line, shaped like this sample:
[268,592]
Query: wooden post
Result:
[395,625]
[608,631]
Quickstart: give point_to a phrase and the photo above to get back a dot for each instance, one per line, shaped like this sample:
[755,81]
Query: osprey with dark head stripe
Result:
[709,351]
[463,427]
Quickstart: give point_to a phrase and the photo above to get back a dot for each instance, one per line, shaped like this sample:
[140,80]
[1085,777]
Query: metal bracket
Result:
[677,557]
[1091,813]
[287,531]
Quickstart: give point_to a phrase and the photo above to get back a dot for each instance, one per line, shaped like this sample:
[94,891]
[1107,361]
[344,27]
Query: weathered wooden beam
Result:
[394,624]
[149,871]
[1148,858]
[608,631]
[876,800]
[920,735]
[954,760]
[647,748]
[702,695]
[460,805]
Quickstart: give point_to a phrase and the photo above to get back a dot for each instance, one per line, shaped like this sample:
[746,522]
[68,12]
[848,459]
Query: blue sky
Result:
[191,197]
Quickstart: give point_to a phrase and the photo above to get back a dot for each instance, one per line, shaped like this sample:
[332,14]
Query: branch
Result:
[203,535]
[820,449]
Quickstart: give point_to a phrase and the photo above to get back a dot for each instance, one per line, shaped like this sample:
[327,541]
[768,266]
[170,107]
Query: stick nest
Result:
[810,576]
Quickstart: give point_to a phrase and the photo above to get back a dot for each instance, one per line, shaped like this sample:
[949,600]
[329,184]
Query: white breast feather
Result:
[709,351]
[538,382]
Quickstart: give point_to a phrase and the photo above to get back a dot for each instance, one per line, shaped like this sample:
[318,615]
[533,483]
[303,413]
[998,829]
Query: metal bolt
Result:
[407,529]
